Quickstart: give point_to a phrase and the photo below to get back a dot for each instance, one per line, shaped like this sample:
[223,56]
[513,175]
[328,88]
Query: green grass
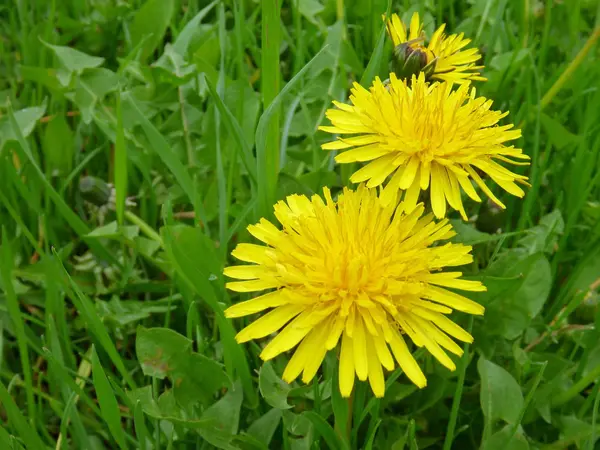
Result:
[202,115]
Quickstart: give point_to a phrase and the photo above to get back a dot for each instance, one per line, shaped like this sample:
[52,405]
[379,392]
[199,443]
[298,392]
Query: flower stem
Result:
[350,401]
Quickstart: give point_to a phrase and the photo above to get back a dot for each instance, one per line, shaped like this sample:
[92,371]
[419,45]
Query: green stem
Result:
[458,393]
[350,401]
[144,227]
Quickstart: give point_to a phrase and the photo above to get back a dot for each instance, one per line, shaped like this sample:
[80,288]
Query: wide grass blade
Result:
[268,154]
[267,121]
[107,400]
[29,435]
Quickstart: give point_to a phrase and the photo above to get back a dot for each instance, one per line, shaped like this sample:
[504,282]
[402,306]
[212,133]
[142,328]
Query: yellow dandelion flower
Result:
[425,135]
[443,58]
[356,271]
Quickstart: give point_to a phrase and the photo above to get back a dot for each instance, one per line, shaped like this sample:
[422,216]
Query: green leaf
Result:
[26,120]
[188,252]
[74,60]
[500,396]
[165,409]
[164,353]
[113,230]
[558,134]
[504,439]
[544,237]
[107,400]
[184,38]
[518,287]
[265,426]
[150,24]
[59,145]
[273,389]
[224,418]
[309,9]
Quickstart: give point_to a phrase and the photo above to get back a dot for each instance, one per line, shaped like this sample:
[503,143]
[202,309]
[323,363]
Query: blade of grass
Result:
[221,181]
[140,426]
[326,431]
[107,400]
[374,64]
[162,148]
[70,217]
[30,436]
[371,71]
[268,154]
[120,164]
[88,312]
[265,202]
[236,131]
[14,310]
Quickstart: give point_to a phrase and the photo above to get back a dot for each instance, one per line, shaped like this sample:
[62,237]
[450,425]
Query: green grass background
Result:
[202,115]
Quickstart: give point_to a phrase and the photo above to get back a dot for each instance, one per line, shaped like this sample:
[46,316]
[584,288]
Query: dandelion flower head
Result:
[358,272]
[425,136]
[445,55]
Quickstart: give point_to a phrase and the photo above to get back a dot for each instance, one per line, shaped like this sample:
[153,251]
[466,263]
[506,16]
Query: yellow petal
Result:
[431,345]
[406,360]
[269,323]
[249,272]
[319,351]
[359,340]
[252,285]
[438,200]
[453,300]
[270,300]
[375,372]
[346,375]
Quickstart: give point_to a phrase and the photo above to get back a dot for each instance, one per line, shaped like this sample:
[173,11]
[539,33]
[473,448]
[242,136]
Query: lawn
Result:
[140,139]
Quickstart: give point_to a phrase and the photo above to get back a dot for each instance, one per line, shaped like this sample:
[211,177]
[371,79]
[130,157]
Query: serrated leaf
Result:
[74,60]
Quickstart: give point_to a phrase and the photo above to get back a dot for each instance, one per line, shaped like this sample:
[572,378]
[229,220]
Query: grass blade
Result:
[236,131]
[266,122]
[12,304]
[88,312]
[268,154]
[70,217]
[120,164]
[29,435]
[107,400]
[162,148]
[375,61]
